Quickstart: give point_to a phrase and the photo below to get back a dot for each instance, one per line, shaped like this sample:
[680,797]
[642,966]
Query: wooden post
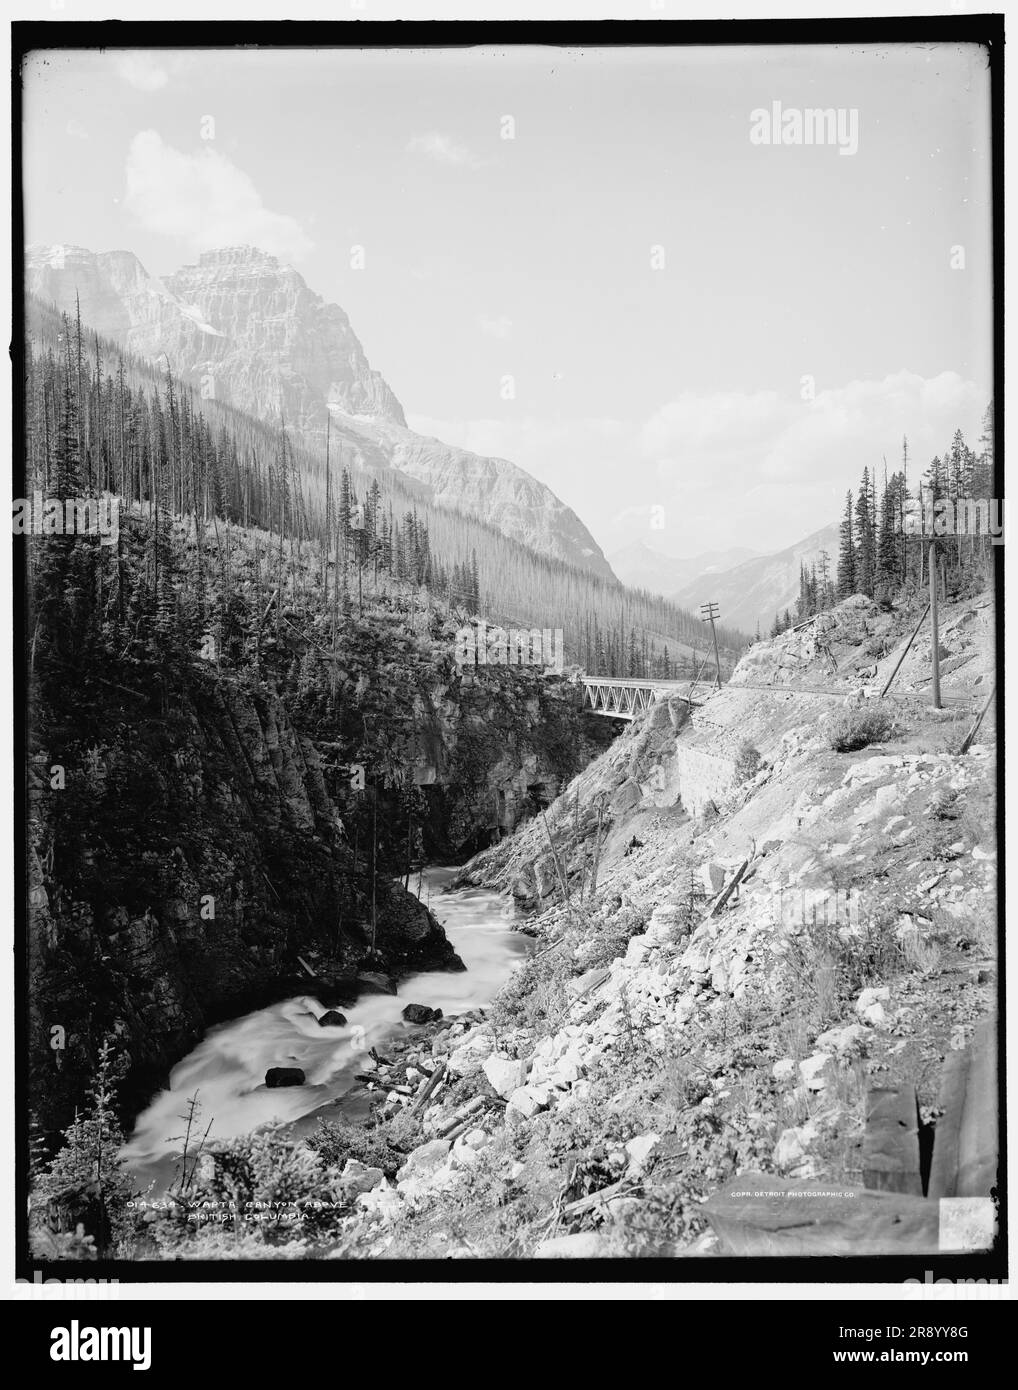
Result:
[901,658]
[708,612]
[967,740]
[374,863]
[935,639]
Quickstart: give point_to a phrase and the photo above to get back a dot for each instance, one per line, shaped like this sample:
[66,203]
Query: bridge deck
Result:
[625,698]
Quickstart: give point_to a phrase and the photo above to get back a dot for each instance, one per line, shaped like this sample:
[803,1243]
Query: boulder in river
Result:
[332,1019]
[284,1076]
[373,982]
[420,1013]
[335,994]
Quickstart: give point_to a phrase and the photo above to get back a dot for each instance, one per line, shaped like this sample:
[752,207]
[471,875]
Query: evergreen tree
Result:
[846,553]
[87,1178]
[865,542]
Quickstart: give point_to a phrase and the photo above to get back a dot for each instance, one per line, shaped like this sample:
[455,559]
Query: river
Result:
[227,1068]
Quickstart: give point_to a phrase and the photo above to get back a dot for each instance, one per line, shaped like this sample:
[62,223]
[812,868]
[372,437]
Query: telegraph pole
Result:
[935,636]
[708,613]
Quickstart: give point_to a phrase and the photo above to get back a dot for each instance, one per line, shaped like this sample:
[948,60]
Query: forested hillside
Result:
[884,536]
[234,756]
[153,442]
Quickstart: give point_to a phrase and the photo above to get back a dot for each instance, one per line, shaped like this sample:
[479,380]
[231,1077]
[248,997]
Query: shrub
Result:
[747,763]
[857,728]
[945,804]
[262,1190]
[534,993]
[336,1140]
[86,1187]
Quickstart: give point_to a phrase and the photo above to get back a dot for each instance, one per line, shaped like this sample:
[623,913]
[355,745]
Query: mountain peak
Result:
[240,255]
[250,331]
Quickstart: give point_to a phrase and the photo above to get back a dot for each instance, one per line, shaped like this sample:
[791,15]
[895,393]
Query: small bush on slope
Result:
[857,728]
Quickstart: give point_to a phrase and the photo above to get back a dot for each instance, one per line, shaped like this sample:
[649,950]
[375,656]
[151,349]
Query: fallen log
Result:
[427,1087]
[464,1112]
[727,891]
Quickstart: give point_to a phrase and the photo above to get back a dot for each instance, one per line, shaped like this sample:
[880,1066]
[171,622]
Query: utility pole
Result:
[709,612]
[328,520]
[935,634]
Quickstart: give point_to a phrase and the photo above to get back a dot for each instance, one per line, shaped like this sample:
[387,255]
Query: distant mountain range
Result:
[246,328]
[643,567]
[753,591]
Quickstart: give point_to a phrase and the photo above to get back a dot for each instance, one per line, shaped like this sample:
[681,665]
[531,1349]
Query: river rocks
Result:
[337,992]
[373,982]
[425,1160]
[791,1148]
[284,1076]
[332,1019]
[505,1073]
[357,1177]
[870,1005]
[564,1072]
[466,1150]
[640,1150]
[420,1013]
[469,1056]
[526,1101]
[784,1070]
[816,1071]
[845,1042]
[382,1201]
[430,1168]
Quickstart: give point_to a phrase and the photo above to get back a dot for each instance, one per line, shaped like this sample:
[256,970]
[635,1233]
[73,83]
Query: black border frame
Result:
[986,30]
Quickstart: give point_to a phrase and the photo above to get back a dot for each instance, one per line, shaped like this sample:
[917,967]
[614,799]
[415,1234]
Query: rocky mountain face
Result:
[230,863]
[246,328]
[240,324]
[753,591]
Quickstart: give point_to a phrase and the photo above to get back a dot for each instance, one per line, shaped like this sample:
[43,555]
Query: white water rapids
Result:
[227,1068]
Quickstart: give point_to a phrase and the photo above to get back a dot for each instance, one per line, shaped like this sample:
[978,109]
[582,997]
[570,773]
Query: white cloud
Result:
[141,71]
[203,199]
[443,149]
[764,438]
[731,468]
[501,327]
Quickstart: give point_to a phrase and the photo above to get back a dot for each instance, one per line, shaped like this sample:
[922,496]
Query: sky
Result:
[590,262]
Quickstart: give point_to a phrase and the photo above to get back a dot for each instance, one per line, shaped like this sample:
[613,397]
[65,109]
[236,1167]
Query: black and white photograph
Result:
[507,568]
